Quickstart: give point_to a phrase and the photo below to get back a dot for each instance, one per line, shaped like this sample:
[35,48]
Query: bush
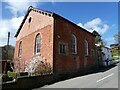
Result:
[43,68]
[115,58]
[4,75]
[5,78]
[38,66]
[12,74]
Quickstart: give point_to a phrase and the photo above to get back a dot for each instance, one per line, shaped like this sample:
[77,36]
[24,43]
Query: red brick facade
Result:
[70,62]
[28,34]
[53,30]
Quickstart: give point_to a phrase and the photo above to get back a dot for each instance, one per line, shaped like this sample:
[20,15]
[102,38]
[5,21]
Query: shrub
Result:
[38,66]
[5,78]
[43,68]
[4,75]
[12,74]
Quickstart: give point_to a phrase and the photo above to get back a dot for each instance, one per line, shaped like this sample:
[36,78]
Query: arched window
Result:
[74,44]
[20,49]
[37,44]
[86,48]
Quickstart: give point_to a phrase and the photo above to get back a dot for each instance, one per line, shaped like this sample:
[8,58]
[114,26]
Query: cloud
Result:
[96,24]
[109,39]
[81,25]
[9,25]
[19,7]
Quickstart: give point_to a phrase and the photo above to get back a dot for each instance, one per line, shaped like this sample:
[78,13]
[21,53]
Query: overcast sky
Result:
[102,17]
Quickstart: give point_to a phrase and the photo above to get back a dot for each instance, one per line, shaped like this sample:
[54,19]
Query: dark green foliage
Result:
[5,78]
[4,75]
[96,33]
[98,37]
[7,52]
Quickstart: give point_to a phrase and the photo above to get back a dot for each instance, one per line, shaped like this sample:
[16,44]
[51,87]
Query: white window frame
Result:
[20,49]
[74,44]
[37,42]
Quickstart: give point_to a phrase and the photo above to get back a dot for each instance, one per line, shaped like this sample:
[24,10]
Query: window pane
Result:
[86,48]
[20,49]
[62,48]
[74,44]
[38,43]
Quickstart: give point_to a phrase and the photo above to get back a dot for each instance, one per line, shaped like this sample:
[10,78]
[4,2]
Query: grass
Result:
[115,58]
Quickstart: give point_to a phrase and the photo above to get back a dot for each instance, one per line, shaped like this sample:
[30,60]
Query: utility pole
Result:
[7,55]
[8,38]
[8,45]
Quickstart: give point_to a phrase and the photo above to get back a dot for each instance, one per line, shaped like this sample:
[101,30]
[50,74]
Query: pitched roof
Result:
[25,17]
[47,13]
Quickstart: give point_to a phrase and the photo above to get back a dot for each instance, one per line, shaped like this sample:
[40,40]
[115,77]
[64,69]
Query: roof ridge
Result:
[38,10]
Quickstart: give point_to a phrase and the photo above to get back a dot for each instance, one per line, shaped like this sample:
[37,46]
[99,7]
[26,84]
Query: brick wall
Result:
[40,24]
[72,63]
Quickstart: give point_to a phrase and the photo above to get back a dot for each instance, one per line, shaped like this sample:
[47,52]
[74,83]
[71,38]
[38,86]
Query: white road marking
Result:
[104,77]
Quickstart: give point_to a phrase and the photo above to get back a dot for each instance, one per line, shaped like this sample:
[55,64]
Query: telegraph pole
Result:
[8,38]
[7,55]
[8,44]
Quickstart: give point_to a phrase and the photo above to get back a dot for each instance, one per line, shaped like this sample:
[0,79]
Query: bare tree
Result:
[104,43]
[117,37]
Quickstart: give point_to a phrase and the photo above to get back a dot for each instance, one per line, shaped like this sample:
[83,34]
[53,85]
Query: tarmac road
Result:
[102,79]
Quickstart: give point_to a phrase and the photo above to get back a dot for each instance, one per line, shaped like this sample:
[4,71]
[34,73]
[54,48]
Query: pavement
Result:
[106,78]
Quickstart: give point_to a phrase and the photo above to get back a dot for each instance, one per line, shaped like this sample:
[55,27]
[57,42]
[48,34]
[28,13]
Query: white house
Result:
[106,56]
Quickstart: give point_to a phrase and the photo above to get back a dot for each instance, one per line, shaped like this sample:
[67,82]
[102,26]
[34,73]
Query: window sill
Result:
[19,56]
[86,55]
[74,53]
[62,54]
[37,54]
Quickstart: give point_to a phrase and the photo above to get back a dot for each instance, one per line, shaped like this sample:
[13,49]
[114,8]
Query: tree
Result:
[98,37]
[117,37]
[8,52]
[104,43]
[96,33]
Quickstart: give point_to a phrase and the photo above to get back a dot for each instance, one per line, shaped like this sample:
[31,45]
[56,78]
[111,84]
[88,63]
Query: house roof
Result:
[47,13]
[113,45]
[107,47]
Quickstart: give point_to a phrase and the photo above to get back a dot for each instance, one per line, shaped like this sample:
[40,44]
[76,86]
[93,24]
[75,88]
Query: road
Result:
[102,79]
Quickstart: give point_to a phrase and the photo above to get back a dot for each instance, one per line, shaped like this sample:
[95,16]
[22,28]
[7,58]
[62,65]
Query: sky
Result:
[99,16]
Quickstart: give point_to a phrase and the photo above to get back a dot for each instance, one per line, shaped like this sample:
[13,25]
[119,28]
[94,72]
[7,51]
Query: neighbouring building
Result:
[106,56]
[112,46]
[67,47]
